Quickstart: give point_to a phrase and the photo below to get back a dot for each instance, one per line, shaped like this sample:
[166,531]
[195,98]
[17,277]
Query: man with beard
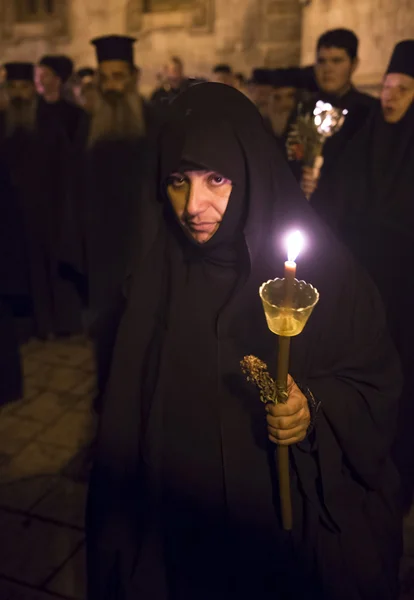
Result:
[51,74]
[113,160]
[368,199]
[36,158]
[336,63]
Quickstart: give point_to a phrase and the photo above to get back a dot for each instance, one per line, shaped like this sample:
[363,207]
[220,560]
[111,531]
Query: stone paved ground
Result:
[44,462]
[44,443]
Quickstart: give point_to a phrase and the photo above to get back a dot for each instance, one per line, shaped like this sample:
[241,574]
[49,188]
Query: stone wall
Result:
[245,33]
[378,23]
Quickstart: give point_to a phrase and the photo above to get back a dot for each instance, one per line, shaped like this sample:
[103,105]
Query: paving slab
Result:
[15,591]
[35,459]
[64,503]
[16,432]
[21,495]
[70,581]
[73,430]
[33,550]
[45,407]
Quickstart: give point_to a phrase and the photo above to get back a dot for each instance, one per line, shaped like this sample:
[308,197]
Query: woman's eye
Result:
[176,181]
[217,180]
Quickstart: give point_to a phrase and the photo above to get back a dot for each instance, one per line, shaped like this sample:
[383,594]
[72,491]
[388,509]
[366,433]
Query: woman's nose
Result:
[196,198]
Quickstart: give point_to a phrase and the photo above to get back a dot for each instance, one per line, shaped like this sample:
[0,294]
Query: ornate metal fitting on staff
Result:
[257,373]
[281,395]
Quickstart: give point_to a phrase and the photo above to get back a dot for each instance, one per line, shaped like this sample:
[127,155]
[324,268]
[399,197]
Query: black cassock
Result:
[183,496]
[368,200]
[105,195]
[39,166]
[13,288]
[64,114]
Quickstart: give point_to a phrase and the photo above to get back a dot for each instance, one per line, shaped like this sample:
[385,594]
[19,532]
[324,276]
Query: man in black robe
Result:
[51,74]
[110,167]
[36,154]
[13,288]
[183,496]
[368,199]
[85,90]
[260,89]
[336,62]
[283,102]
[174,83]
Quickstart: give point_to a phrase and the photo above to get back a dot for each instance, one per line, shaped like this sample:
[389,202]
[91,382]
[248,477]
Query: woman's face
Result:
[199,200]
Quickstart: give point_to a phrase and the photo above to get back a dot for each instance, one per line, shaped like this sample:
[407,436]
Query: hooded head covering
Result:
[61,65]
[177,408]
[402,59]
[114,47]
[19,71]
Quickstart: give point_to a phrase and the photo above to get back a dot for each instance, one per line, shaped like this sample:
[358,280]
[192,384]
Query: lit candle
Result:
[294,246]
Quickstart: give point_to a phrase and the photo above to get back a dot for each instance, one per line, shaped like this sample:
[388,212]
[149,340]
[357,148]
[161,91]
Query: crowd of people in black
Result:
[150,223]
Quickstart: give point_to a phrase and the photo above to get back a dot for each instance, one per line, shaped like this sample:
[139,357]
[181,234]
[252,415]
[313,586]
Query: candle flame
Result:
[294,245]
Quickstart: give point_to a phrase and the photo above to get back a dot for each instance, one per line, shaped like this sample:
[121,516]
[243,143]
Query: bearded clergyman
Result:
[113,159]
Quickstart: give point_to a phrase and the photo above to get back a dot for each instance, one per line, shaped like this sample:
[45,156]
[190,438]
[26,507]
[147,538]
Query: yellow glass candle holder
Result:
[288,321]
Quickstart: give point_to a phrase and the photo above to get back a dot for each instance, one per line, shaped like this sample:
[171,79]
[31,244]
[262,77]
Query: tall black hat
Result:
[115,47]
[19,71]
[286,77]
[261,77]
[61,65]
[308,79]
[402,59]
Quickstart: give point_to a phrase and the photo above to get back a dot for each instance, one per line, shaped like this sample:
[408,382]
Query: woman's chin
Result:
[202,238]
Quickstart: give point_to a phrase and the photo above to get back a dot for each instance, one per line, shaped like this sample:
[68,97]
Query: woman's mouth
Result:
[201,227]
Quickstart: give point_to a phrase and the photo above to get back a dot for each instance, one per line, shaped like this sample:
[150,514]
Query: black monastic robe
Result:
[183,497]
[39,166]
[13,287]
[368,200]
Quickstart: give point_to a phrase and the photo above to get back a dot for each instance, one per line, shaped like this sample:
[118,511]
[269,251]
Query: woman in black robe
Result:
[183,500]
[368,200]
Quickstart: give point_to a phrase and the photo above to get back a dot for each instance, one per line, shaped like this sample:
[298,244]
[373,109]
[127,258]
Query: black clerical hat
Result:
[402,59]
[286,77]
[223,68]
[115,47]
[85,72]
[19,71]
[308,79]
[261,77]
[61,65]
